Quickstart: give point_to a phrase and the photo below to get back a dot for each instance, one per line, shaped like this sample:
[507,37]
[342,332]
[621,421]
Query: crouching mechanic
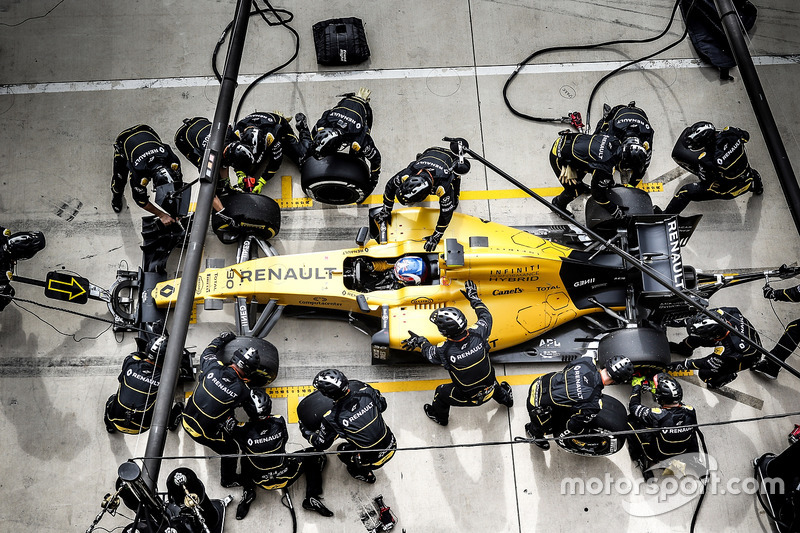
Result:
[220,389]
[631,126]
[140,154]
[349,125]
[355,417]
[130,410]
[791,336]
[263,440]
[465,355]
[578,390]
[679,433]
[732,353]
[436,171]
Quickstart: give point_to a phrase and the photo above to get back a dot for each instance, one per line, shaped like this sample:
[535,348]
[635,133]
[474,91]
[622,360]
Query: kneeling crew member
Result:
[791,336]
[355,417]
[578,389]
[465,355]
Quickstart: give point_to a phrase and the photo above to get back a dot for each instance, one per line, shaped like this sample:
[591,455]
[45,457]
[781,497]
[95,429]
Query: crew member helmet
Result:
[260,405]
[246,360]
[238,155]
[256,140]
[702,326]
[24,244]
[415,188]
[668,390]
[450,321]
[411,270]
[702,134]
[620,368]
[332,383]
[327,141]
[634,155]
[157,347]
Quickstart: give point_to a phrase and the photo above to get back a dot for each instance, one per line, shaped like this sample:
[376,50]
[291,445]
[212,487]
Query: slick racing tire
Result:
[311,408]
[254,215]
[633,201]
[613,417]
[267,356]
[647,348]
[336,179]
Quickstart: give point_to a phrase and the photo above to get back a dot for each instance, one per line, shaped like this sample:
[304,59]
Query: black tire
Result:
[613,417]
[647,348]
[336,179]
[311,408]
[267,355]
[636,202]
[254,214]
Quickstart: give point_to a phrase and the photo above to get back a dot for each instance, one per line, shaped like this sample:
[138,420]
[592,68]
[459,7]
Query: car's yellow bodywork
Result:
[516,272]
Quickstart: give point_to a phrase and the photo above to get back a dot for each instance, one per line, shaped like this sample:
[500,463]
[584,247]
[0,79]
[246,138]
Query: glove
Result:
[679,366]
[229,424]
[568,176]
[384,215]
[470,291]
[618,213]
[638,381]
[432,240]
[769,292]
[414,341]
[225,218]
[259,185]
[225,337]
[245,182]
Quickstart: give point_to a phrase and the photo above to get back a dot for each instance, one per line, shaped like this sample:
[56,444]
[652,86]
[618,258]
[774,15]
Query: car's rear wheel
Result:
[647,348]
[253,214]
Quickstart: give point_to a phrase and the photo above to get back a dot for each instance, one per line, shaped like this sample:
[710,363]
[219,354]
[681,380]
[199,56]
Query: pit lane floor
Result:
[79,75]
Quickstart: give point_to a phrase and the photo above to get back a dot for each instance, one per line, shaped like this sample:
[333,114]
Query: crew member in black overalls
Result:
[140,155]
[465,355]
[220,389]
[436,171]
[791,336]
[578,390]
[574,155]
[631,126]
[355,417]
[719,159]
[13,247]
[258,145]
[732,353]
[348,125]
[130,410]
[679,436]
[263,439]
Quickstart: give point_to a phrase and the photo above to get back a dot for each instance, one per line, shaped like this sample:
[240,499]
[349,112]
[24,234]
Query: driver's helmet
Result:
[260,405]
[634,156]
[238,155]
[415,188]
[702,326]
[327,141]
[411,270]
[246,360]
[450,320]
[620,368]
[24,244]
[702,134]
[668,390]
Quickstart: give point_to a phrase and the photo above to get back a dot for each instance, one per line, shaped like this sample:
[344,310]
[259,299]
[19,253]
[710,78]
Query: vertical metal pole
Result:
[209,171]
[780,160]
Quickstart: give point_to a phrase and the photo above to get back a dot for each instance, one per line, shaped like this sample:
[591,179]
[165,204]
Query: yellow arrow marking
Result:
[71,284]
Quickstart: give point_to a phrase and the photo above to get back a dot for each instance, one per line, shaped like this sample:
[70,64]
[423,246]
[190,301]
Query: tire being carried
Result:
[336,179]
[613,417]
[252,214]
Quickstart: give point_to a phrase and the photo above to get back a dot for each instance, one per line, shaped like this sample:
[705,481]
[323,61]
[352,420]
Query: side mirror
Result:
[362,236]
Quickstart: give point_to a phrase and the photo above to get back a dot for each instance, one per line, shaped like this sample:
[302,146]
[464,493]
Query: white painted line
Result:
[360,75]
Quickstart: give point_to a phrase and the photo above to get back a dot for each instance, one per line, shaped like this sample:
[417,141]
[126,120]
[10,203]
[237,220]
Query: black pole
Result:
[209,171]
[777,152]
